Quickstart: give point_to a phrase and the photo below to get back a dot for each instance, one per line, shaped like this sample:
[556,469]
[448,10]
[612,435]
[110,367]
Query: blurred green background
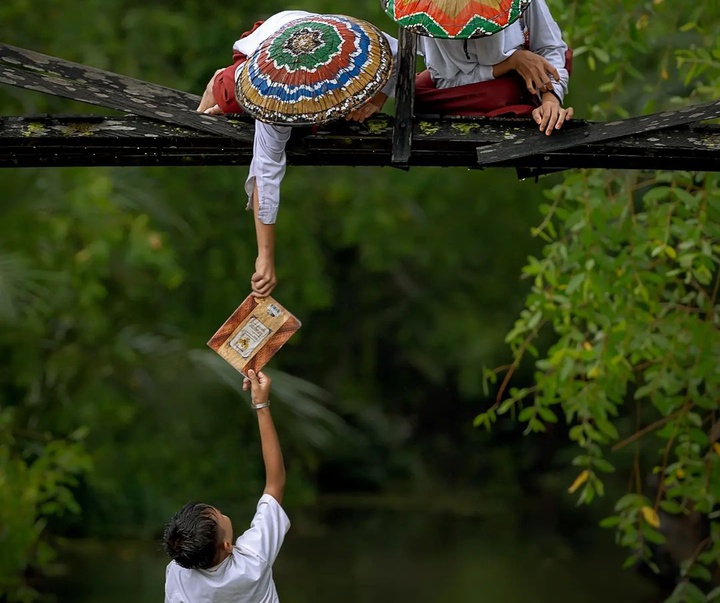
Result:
[113,412]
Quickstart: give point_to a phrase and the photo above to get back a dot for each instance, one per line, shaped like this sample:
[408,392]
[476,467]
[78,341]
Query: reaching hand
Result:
[259,386]
[550,115]
[207,102]
[263,281]
[535,70]
[374,105]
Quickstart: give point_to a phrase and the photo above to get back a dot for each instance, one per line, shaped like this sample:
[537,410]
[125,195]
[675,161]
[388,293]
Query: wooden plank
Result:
[404,98]
[537,143]
[50,75]
[55,141]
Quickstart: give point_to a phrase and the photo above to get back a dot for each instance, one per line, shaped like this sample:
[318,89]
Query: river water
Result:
[371,555]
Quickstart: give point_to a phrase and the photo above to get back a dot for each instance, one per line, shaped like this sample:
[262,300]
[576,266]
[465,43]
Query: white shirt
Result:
[450,66]
[245,576]
[267,167]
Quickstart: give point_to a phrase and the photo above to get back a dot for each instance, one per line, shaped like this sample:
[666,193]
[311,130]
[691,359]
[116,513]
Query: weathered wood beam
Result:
[404,98]
[50,75]
[536,142]
[55,141]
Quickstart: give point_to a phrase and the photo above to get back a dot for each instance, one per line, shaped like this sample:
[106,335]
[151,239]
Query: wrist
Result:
[551,97]
[259,405]
[379,99]
[505,66]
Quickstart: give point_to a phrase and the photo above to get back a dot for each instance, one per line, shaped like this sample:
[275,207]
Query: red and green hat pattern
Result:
[455,19]
[314,69]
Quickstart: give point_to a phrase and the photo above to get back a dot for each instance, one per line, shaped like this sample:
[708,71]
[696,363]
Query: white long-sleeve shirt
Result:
[267,167]
[450,65]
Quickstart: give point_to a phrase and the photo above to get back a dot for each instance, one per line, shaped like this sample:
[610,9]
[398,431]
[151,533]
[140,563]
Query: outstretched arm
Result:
[263,280]
[259,385]
[267,170]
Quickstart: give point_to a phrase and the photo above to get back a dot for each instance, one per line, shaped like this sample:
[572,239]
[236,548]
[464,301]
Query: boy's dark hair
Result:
[191,536]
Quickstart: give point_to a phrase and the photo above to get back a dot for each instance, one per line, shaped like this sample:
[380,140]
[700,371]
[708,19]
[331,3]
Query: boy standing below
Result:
[206,567]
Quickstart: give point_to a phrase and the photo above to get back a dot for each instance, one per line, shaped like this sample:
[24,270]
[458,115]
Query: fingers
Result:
[260,280]
[362,113]
[538,73]
[214,110]
[359,115]
[551,117]
[263,287]
[545,84]
[540,78]
[260,386]
[263,379]
[530,85]
[546,115]
[205,103]
[208,100]
[549,120]
[262,284]
[561,118]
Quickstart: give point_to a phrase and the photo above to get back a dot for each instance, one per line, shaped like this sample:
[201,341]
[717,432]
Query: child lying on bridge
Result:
[457,82]
[267,168]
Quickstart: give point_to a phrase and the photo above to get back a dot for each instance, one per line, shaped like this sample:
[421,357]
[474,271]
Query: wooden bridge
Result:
[161,128]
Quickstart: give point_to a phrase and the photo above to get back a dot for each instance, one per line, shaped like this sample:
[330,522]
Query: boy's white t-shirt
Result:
[245,576]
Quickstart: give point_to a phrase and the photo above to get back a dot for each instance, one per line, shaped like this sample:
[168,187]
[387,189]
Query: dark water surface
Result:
[364,556]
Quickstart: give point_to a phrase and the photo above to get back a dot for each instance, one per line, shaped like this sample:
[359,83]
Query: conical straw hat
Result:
[314,70]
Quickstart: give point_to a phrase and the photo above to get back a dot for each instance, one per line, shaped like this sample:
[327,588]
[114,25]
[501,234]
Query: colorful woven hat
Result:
[313,70]
[455,19]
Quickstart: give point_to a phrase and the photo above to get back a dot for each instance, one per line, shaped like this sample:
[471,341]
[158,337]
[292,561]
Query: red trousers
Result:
[224,84]
[505,95]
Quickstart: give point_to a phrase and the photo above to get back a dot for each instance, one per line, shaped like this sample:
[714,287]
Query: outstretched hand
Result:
[259,386]
[535,70]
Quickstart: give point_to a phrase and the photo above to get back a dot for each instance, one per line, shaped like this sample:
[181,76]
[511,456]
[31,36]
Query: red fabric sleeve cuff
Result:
[224,90]
[224,84]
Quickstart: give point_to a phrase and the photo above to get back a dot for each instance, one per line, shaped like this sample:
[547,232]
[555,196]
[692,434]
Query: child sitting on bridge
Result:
[521,70]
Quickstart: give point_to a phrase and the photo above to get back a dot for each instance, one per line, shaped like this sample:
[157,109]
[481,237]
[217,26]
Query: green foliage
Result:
[36,477]
[627,290]
[111,282]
